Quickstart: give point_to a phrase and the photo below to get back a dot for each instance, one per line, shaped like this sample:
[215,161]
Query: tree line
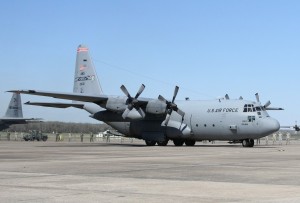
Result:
[60,127]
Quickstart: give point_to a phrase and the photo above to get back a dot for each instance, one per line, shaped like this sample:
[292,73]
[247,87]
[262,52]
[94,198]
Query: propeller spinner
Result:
[171,106]
[132,102]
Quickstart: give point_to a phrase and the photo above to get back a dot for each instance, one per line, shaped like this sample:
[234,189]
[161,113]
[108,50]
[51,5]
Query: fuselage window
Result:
[251,118]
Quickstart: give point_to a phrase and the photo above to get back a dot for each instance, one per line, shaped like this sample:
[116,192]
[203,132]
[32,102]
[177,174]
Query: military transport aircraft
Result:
[14,114]
[160,120]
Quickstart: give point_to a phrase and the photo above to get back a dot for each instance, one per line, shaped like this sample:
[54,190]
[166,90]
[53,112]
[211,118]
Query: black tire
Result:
[178,142]
[150,142]
[190,142]
[245,143]
[163,143]
[251,142]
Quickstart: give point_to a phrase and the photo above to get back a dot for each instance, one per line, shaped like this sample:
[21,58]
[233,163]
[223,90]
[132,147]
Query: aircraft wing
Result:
[55,105]
[70,96]
[97,99]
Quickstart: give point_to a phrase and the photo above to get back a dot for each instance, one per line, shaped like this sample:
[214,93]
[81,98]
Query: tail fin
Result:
[15,107]
[85,80]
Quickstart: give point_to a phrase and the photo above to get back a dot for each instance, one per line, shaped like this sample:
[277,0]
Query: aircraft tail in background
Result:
[14,109]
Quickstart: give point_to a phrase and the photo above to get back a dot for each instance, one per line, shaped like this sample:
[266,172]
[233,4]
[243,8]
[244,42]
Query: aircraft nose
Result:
[271,125]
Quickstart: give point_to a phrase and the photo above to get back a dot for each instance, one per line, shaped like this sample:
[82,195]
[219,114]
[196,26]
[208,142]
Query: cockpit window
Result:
[249,108]
[252,108]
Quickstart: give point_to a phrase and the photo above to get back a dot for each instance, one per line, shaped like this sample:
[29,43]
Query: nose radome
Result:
[271,125]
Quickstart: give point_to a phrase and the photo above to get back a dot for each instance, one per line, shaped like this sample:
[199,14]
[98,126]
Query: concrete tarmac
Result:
[115,172]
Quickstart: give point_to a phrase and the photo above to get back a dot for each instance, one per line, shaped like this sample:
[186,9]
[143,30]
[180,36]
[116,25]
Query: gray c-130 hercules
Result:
[159,120]
[14,113]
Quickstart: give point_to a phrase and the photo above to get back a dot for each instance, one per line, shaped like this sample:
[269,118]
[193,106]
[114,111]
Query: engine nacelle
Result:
[116,104]
[156,107]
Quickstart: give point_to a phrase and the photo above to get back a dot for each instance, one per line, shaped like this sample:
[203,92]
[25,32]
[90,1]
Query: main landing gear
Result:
[159,143]
[177,142]
[248,143]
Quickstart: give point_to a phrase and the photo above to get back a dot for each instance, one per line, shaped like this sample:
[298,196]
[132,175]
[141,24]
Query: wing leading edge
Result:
[70,96]
[55,105]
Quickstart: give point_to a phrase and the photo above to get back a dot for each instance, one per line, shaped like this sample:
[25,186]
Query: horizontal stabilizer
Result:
[11,121]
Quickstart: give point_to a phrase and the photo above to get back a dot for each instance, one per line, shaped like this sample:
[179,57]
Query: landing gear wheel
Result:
[150,142]
[178,142]
[163,143]
[245,143]
[248,143]
[190,142]
[251,142]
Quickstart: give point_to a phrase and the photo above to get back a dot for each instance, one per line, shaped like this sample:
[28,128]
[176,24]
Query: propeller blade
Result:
[227,96]
[123,88]
[257,97]
[161,98]
[167,119]
[141,112]
[180,112]
[140,91]
[125,113]
[175,93]
[267,104]
[241,98]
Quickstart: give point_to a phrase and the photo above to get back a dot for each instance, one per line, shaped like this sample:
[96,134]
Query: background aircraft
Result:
[294,127]
[160,120]
[14,113]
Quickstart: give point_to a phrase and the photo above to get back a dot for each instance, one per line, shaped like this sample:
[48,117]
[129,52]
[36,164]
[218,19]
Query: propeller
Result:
[257,97]
[268,103]
[171,106]
[296,127]
[227,97]
[132,102]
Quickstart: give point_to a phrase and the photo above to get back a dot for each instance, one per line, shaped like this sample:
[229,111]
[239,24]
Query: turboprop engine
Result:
[116,104]
[156,107]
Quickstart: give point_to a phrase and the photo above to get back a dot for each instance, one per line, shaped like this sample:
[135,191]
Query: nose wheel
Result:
[248,143]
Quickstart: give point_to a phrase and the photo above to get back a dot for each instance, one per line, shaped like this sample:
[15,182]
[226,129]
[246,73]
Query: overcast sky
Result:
[207,48]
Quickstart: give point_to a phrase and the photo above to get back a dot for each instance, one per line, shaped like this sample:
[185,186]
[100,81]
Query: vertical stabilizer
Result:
[85,79]
[15,107]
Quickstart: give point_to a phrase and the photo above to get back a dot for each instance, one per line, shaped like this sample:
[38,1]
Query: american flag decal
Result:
[81,49]
[82,67]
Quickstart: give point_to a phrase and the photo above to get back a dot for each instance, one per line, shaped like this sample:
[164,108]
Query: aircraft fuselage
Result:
[232,120]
